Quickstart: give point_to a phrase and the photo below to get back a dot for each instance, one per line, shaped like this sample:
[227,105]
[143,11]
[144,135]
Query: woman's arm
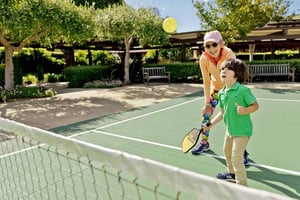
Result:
[206,85]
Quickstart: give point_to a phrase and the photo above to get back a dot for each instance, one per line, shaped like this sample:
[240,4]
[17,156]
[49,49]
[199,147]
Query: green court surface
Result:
[156,132]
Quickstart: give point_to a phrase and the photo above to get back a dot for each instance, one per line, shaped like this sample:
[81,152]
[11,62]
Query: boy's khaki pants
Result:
[234,148]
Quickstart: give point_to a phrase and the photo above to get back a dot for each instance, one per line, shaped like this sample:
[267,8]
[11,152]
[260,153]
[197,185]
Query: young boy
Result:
[236,104]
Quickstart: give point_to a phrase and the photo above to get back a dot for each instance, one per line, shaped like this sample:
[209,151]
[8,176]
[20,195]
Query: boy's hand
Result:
[206,127]
[240,109]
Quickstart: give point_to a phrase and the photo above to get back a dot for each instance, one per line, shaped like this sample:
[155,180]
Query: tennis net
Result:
[38,164]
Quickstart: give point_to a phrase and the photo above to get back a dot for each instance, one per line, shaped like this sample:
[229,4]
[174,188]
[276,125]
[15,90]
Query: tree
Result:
[236,18]
[126,24]
[99,3]
[42,21]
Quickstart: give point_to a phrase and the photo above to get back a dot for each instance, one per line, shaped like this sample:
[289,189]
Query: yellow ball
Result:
[170,25]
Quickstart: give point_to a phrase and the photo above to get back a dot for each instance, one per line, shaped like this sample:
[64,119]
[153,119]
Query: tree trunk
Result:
[9,68]
[127,42]
[69,56]
[126,66]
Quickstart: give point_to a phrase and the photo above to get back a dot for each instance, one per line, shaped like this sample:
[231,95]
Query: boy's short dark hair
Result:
[239,67]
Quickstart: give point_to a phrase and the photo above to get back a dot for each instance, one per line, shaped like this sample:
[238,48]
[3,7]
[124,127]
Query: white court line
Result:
[284,100]
[137,117]
[164,109]
[109,125]
[177,148]
[137,140]
[20,151]
[206,154]
[164,145]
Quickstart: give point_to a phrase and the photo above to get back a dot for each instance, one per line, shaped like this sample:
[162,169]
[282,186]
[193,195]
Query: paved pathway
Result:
[72,105]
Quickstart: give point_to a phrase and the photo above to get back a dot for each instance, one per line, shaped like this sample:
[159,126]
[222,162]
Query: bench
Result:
[150,73]
[271,70]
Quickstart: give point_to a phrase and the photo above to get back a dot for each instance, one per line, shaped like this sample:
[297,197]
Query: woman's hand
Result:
[206,108]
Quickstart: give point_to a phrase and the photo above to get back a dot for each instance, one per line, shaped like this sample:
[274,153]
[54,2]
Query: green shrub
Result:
[3,95]
[49,92]
[181,72]
[29,79]
[150,57]
[79,75]
[31,92]
[99,57]
[103,58]
[267,56]
[51,78]
[39,61]
[190,71]
[81,57]
[103,84]
[26,92]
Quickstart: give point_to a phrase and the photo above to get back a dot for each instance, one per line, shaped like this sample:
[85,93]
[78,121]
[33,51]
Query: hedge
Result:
[78,75]
[181,72]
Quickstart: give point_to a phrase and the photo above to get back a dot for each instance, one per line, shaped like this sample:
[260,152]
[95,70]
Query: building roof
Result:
[276,34]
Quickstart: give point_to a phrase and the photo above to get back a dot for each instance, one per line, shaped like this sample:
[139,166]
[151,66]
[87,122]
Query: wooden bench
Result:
[271,70]
[150,73]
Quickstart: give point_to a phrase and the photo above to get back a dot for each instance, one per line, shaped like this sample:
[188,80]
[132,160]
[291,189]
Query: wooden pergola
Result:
[276,35]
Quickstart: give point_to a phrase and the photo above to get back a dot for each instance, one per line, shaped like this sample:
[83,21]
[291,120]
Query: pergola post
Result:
[273,49]
[251,51]
[195,51]
[182,52]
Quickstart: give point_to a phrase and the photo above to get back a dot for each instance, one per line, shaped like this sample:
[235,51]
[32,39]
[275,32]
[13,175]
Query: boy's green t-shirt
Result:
[236,125]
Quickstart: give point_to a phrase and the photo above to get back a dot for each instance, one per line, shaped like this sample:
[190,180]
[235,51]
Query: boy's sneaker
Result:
[246,161]
[226,176]
[200,148]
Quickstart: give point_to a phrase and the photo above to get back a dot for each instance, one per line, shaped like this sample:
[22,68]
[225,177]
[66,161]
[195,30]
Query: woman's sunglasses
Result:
[211,45]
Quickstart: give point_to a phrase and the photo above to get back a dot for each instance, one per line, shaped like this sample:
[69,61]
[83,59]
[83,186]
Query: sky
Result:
[184,11]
